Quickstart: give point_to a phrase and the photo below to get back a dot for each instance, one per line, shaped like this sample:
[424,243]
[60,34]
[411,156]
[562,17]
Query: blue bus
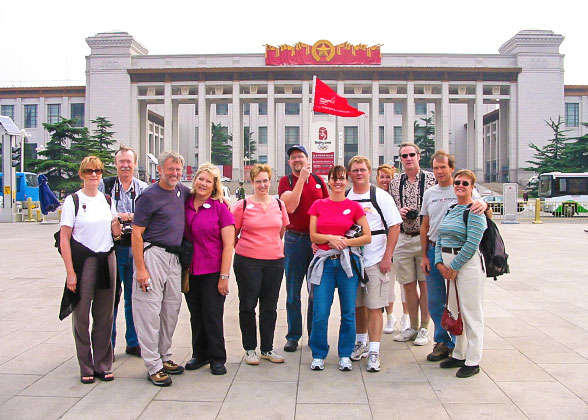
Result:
[27,185]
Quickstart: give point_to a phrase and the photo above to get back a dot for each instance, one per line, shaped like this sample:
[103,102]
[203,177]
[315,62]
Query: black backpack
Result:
[319,180]
[374,202]
[491,246]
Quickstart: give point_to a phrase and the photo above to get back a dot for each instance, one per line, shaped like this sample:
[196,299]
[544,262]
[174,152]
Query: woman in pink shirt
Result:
[259,264]
[336,265]
[210,228]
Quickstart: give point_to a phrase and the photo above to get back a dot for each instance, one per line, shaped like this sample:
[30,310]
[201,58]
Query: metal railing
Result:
[535,210]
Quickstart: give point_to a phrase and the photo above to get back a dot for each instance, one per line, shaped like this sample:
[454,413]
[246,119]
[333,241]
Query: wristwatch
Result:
[224,276]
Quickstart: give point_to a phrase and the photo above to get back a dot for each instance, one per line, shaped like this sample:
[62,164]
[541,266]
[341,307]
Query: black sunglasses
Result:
[464,183]
[89,171]
[405,155]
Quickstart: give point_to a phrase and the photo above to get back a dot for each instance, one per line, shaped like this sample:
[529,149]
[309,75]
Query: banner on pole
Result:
[322,146]
[327,101]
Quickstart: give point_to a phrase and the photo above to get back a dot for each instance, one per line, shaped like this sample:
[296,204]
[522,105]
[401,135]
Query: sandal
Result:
[87,379]
[104,376]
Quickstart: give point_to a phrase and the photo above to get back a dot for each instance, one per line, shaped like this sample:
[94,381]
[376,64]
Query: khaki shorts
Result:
[407,259]
[375,293]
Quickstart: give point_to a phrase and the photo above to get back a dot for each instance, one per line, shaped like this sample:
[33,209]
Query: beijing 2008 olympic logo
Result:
[322,133]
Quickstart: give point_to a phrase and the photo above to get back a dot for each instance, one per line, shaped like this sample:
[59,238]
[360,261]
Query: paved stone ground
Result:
[535,362]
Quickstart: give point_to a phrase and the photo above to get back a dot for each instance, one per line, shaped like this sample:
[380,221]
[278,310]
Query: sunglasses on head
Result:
[405,155]
[98,171]
[459,182]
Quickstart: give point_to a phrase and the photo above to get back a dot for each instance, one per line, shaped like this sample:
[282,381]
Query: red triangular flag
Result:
[327,101]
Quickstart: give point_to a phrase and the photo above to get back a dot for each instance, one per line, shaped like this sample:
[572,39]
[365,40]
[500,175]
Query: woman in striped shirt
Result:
[458,259]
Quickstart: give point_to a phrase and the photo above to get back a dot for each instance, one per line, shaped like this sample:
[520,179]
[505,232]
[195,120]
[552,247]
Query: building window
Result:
[292,108]
[262,108]
[572,115]
[420,108]
[380,160]
[397,108]
[381,108]
[77,114]
[381,134]
[30,116]
[262,136]
[262,158]
[351,140]
[222,109]
[398,135]
[53,113]
[8,111]
[246,108]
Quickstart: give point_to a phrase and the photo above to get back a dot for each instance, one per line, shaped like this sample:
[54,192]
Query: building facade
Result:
[486,109]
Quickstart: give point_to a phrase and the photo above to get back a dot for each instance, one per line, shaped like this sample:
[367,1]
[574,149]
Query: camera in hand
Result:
[127,232]
[412,214]
[355,231]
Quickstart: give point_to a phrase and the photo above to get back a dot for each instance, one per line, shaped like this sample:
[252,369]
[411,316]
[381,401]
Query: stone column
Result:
[374,139]
[340,124]
[513,139]
[237,133]
[470,136]
[272,136]
[176,127]
[479,132]
[305,115]
[168,117]
[442,116]
[204,146]
[408,114]
[142,141]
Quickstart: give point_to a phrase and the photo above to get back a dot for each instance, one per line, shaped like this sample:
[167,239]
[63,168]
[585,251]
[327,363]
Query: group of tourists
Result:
[157,242]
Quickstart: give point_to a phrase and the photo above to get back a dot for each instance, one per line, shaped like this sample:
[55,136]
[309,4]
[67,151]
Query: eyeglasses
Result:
[342,178]
[88,171]
[458,183]
[405,155]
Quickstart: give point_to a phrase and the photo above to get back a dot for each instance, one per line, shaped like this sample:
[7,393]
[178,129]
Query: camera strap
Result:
[403,179]
[117,188]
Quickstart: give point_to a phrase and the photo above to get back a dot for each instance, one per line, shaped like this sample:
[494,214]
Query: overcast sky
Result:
[44,41]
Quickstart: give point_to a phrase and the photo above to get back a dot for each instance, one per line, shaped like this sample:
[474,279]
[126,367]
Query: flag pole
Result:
[312,92]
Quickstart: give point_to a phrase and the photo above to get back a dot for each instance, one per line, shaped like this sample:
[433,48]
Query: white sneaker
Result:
[422,338]
[317,364]
[406,335]
[272,356]
[251,357]
[373,364]
[404,323]
[390,324]
[345,364]
[360,350]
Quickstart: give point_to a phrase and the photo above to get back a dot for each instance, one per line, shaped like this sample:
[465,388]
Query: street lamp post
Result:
[23,136]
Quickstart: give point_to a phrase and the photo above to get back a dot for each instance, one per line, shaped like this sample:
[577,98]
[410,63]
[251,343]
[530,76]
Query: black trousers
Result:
[206,307]
[258,280]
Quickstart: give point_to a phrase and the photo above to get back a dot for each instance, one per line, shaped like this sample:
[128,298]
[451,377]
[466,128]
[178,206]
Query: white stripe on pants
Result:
[155,312]
[470,286]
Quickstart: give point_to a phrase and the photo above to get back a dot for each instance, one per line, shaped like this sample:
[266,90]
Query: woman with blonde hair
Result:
[88,223]
[458,260]
[384,176]
[211,229]
[259,263]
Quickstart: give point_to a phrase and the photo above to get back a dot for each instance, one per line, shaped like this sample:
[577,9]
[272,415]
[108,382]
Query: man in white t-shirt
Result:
[436,202]
[384,221]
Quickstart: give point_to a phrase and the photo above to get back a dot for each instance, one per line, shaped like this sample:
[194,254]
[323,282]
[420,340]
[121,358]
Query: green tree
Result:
[102,140]
[424,138]
[576,153]
[249,146]
[62,155]
[551,157]
[221,151]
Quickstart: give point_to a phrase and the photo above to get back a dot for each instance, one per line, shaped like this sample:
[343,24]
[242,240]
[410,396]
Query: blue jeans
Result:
[333,276]
[124,274]
[436,293]
[298,255]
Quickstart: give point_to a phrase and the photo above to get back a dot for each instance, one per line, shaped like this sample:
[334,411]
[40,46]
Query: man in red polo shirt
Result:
[298,191]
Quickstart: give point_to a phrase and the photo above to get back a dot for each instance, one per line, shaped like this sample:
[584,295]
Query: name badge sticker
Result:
[346,211]
[206,205]
[318,186]
[178,193]
[250,206]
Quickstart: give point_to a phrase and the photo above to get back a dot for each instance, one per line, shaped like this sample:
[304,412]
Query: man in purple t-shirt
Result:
[159,224]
